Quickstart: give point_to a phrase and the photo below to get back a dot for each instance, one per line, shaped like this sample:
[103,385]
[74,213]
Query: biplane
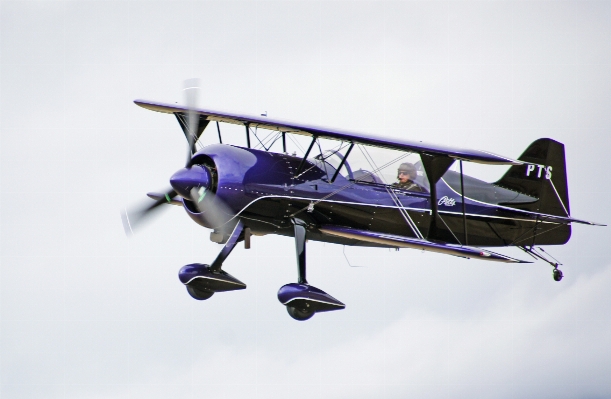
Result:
[342,189]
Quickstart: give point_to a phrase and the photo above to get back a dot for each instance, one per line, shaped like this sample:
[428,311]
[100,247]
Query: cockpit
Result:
[373,166]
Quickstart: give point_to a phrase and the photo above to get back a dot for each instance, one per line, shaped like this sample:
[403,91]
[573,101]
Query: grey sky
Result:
[86,313]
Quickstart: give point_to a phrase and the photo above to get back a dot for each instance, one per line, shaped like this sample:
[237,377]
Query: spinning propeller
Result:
[193,182]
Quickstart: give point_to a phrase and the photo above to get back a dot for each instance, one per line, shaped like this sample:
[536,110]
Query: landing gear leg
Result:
[203,281]
[300,250]
[302,309]
[229,246]
[301,299]
[534,252]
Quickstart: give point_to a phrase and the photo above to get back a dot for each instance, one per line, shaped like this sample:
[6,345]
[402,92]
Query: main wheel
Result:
[299,314]
[558,275]
[200,295]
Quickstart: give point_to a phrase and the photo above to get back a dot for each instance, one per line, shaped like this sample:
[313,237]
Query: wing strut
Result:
[303,161]
[341,164]
[202,122]
[218,129]
[247,124]
[435,166]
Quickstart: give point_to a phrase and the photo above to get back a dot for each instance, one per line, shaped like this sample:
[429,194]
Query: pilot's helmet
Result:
[407,167]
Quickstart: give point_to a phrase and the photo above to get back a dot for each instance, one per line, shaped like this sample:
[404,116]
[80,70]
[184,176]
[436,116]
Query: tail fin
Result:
[543,176]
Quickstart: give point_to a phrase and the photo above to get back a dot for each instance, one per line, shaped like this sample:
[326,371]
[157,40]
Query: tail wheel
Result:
[200,295]
[300,314]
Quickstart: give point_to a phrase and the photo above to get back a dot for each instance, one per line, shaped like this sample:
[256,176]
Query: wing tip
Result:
[158,107]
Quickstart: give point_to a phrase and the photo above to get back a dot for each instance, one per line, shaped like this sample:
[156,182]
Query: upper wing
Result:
[337,134]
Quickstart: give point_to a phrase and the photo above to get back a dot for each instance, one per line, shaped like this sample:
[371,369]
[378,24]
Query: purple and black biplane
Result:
[345,195]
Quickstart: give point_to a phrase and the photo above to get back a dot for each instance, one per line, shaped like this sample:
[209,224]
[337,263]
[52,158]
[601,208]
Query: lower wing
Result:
[416,243]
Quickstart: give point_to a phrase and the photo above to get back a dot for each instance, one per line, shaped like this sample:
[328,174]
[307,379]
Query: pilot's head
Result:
[406,172]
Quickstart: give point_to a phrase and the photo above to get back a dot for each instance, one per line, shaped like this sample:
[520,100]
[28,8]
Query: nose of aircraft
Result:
[186,179]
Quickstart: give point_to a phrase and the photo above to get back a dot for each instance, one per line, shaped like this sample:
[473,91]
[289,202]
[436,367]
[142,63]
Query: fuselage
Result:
[265,190]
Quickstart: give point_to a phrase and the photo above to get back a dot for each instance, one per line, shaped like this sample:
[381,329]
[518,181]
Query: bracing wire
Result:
[296,143]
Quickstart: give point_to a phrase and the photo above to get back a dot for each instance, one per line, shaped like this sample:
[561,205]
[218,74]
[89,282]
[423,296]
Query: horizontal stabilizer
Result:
[564,220]
[416,243]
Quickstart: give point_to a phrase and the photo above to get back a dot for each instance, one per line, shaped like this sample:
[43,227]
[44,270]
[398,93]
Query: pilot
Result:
[406,175]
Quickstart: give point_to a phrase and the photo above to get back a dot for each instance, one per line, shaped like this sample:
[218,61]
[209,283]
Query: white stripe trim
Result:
[212,278]
[407,208]
[312,300]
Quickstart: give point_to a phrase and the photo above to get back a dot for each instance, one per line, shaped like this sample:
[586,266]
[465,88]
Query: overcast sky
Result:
[87,313]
